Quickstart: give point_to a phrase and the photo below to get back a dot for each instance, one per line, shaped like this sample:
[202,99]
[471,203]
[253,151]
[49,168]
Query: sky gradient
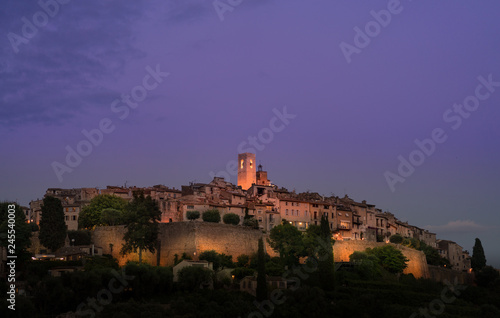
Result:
[227,78]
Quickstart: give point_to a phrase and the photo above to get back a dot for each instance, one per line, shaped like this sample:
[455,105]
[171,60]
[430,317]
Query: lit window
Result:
[241,163]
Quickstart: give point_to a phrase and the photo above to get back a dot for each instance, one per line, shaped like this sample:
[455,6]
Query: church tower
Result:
[246,170]
[262,177]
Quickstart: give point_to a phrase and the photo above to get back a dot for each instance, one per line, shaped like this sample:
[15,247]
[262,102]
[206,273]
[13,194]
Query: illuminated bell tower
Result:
[246,170]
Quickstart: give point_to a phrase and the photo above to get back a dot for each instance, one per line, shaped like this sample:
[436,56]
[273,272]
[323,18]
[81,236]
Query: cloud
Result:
[458,226]
[57,75]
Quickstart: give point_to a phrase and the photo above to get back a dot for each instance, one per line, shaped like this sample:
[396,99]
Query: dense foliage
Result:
[287,240]
[192,215]
[220,261]
[142,217]
[91,215]
[16,233]
[478,261]
[231,218]
[211,216]
[53,229]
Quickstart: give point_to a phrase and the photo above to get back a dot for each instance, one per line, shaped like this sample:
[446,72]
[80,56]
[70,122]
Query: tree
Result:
[142,216]
[411,243]
[90,216]
[326,265]
[478,261]
[396,239]
[367,266]
[192,215]
[53,229]
[211,216]
[219,261]
[487,277]
[192,277]
[287,240]
[231,218]
[18,227]
[112,217]
[390,258]
[243,260]
[261,291]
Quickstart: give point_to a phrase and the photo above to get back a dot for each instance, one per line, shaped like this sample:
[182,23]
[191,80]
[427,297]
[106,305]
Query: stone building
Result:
[459,259]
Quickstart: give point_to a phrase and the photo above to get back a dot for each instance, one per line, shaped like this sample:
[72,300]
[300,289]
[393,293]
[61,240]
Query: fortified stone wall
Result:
[110,238]
[191,238]
[194,238]
[417,264]
[441,274]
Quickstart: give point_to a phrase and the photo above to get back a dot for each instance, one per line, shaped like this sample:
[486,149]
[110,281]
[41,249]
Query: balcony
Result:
[344,227]
[357,221]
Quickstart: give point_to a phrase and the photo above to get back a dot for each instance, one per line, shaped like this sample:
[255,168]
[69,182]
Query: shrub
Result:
[220,261]
[211,216]
[396,239]
[193,215]
[251,222]
[231,218]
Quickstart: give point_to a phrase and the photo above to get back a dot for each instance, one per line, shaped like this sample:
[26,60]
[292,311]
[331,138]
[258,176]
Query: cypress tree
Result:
[261,292]
[478,261]
[326,265]
[53,229]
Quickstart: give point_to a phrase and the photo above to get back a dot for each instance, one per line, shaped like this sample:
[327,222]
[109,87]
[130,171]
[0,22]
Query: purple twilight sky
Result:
[360,93]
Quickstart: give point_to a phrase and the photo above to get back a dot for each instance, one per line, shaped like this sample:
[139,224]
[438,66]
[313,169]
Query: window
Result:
[260,218]
[286,212]
[260,211]
[242,163]
[74,217]
[66,217]
[345,225]
[190,207]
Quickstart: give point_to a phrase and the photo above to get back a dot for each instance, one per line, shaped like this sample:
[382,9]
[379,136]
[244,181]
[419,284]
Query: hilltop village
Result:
[255,195]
